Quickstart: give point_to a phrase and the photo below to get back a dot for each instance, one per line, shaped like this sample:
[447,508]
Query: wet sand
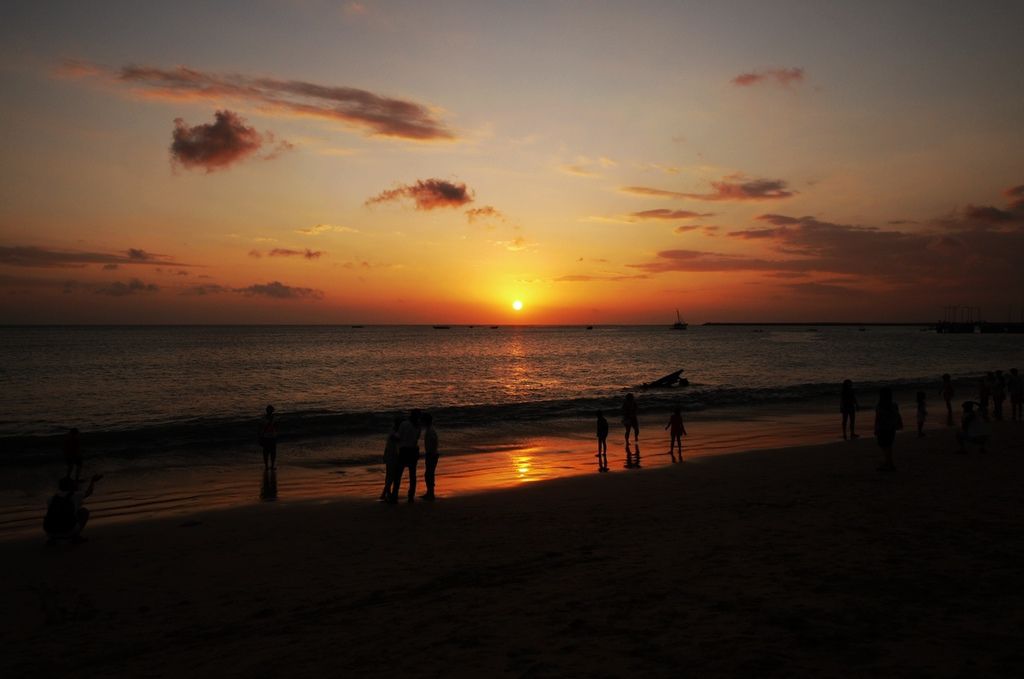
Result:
[474,461]
[799,561]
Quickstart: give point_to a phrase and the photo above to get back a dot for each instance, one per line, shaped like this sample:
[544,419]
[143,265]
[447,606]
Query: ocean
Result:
[203,386]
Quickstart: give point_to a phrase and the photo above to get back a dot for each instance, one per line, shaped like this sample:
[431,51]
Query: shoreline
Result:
[473,461]
[793,561]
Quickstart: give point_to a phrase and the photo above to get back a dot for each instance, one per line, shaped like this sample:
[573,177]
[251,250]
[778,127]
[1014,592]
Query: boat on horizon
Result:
[679,324]
[442,327]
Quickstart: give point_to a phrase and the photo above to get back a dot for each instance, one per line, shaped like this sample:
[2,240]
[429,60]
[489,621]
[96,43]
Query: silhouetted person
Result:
[629,417]
[973,428]
[391,458]
[430,455]
[998,395]
[268,490]
[947,396]
[73,453]
[848,407]
[922,412]
[985,390]
[1015,386]
[268,439]
[887,422]
[65,515]
[408,455]
[602,442]
[676,433]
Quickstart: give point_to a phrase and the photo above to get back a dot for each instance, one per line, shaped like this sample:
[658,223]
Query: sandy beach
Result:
[799,561]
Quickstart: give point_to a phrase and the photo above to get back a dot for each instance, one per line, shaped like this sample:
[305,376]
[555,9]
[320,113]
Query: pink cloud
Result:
[428,194]
[781,76]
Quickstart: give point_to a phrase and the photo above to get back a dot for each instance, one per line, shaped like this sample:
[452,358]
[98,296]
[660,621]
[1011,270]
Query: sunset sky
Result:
[409,162]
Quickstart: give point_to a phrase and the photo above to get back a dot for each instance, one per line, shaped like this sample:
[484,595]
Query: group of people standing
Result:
[631,423]
[402,452]
[974,428]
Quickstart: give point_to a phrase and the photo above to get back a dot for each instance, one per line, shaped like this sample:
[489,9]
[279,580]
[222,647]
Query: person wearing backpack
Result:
[65,515]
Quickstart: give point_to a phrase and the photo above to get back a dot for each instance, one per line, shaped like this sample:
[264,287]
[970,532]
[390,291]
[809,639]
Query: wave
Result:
[223,433]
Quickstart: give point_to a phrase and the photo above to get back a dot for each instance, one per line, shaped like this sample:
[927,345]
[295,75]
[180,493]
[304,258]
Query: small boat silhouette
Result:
[679,324]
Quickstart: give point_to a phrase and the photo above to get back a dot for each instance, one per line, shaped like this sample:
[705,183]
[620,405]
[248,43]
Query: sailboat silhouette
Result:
[679,324]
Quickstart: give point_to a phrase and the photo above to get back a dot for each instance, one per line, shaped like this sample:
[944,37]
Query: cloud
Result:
[325,228]
[278,290]
[780,76]
[1017,194]
[32,256]
[517,244]
[587,167]
[427,194]
[214,146]
[664,213]
[121,289]
[203,290]
[985,213]
[286,252]
[963,257]
[485,212]
[587,278]
[724,190]
[687,228]
[372,113]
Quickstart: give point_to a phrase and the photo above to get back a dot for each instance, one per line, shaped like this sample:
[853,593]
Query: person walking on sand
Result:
[848,408]
[602,442]
[922,413]
[675,422]
[430,456]
[408,456]
[887,422]
[73,454]
[65,515]
[390,458]
[1015,387]
[947,396]
[268,439]
[629,417]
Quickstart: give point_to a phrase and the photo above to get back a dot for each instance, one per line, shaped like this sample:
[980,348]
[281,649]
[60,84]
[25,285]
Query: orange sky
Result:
[393,163]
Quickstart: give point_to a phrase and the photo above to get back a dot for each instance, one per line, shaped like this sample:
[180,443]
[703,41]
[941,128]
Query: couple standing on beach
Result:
[402,452]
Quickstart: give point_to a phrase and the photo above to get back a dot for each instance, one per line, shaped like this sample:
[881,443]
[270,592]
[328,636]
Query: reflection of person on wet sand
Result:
[675,422]
[602,442]
[632,456]
[629,417]
[73,453]
[268,490]
[848,407]
[268,439]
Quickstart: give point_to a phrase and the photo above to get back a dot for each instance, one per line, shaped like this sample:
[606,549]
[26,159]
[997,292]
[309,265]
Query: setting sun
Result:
[517,305]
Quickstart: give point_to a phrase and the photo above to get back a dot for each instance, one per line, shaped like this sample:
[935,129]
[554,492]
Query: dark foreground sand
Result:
[802,561]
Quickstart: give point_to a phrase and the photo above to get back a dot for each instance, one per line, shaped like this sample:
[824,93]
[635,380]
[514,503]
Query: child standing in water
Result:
[922,413]
[675,422]
[602,442]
